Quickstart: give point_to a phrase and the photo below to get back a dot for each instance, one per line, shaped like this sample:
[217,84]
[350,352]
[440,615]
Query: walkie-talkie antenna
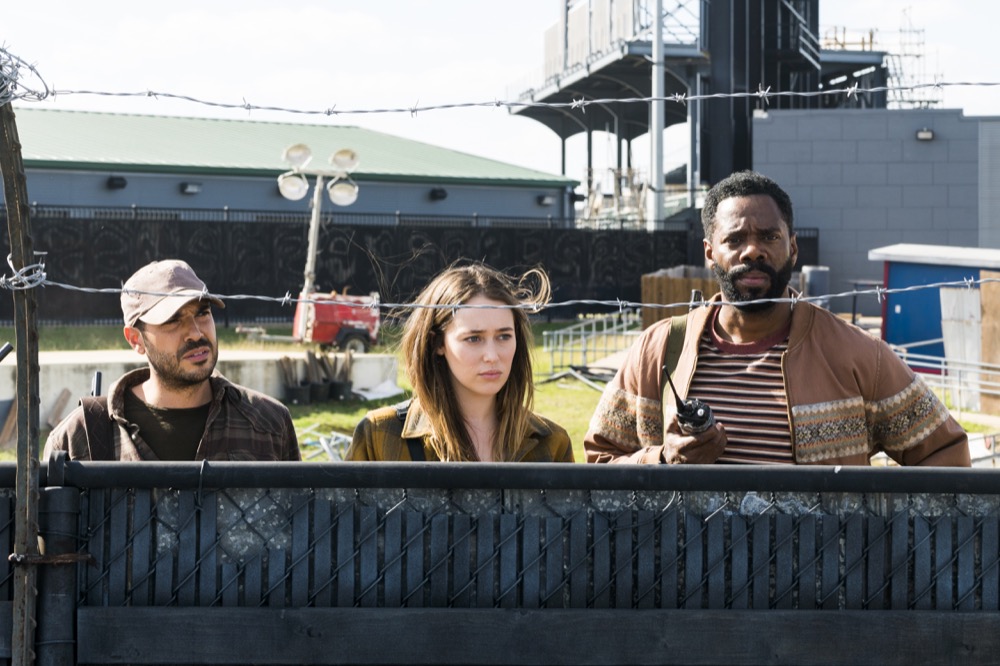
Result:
[680,403]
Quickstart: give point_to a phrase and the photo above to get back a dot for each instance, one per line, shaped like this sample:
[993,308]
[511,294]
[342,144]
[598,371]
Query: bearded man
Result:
[177,408]
[788,382]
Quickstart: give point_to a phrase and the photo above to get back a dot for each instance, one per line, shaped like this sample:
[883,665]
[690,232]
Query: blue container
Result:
[913,318]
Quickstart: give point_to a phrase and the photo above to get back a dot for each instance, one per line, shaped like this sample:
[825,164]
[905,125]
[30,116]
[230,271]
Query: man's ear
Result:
[708,251]
[134,338]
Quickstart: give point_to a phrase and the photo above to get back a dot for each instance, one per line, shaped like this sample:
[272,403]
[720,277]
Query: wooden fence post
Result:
[26,335]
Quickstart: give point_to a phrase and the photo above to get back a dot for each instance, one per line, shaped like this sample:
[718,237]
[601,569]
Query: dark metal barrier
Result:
[265,258]
[476,563]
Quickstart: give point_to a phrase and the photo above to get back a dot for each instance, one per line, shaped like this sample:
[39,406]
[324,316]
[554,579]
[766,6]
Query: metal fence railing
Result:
[965,383]
[184,540]
[153,214]
[591,339]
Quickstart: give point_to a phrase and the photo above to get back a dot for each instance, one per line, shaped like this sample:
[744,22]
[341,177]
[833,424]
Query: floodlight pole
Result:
[344,161]
[309,278]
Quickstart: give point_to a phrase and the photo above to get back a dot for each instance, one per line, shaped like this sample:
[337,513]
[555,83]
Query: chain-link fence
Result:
[526,537]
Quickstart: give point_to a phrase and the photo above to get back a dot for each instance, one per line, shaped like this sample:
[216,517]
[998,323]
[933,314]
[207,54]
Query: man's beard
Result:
[168,366]
[778,283]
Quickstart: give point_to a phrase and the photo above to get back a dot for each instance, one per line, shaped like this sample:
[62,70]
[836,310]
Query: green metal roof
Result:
[132,142]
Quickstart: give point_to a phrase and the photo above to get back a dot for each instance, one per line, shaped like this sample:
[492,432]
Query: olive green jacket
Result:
[382,435]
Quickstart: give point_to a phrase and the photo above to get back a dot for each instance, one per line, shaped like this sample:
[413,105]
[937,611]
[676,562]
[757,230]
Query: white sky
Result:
[316,54]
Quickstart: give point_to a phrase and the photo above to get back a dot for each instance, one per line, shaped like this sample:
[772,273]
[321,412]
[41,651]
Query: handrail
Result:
[484,476]
[593,338]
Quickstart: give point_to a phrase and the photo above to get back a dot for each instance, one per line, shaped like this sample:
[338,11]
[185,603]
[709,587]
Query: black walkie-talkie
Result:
[693,415]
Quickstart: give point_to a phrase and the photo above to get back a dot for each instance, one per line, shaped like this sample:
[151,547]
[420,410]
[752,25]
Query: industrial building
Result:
[758,87]
[91,160]
[747,79]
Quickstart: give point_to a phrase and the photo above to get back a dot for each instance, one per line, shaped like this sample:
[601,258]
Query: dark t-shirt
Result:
[173,434]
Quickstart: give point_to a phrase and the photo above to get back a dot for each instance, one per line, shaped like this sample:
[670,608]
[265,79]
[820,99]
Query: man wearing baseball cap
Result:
[177,408]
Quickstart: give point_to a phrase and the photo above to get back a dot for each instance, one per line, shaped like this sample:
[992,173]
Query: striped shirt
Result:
[743,385]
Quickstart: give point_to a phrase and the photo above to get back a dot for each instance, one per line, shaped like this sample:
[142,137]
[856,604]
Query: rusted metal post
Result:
[59,510]
[26,344]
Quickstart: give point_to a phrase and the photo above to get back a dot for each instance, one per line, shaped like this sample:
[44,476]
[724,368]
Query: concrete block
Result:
[834,151]
[864,125]
[925,195]
[960,216]
[924,151]
[907,173]
[956,173]
[789,152]
[863,217]
[880,151]
[824,219]
[963,150]
[864,174]
[910,218]
[964,196]
[835,197]
[880,195]
[820,126]
[819,174]
[257,370]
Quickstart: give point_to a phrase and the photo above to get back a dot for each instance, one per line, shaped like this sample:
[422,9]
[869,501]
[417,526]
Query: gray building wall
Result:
[863,179]
[989,182]
[163,190]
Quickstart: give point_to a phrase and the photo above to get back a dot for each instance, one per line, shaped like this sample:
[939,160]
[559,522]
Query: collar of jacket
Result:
[418,425]
[803,316]
[116,394]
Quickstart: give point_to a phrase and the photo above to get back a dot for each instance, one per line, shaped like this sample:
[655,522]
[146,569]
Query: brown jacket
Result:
[849,397]
[381,435]
[242,425]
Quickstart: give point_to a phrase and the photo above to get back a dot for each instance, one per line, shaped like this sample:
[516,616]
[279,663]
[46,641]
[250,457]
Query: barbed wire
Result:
[763,94]
[13,68]
[34,276]
[16,76]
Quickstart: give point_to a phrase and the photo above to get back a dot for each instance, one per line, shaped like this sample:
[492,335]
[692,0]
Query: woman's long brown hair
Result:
[427,371]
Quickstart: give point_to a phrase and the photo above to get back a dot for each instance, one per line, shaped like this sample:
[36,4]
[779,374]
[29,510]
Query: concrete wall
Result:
[989,182]
[258,370]
[864,180]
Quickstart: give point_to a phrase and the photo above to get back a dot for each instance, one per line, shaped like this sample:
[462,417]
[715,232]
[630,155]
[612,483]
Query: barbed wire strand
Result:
[21,281]
[14,83]
[13,72]
[764,95]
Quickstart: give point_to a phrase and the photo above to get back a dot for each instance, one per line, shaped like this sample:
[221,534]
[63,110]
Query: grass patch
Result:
[569,403]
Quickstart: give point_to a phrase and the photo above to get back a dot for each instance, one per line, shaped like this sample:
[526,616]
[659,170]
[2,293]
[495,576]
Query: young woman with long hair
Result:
[466,348]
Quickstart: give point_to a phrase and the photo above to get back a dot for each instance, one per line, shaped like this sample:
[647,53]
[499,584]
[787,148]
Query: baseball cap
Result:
[159,289]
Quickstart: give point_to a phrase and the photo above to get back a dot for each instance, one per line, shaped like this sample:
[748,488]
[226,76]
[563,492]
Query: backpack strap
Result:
[414,444]
[675,341]
[98,426]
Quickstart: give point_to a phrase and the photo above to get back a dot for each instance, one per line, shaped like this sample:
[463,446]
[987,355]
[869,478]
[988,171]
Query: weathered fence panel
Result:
[266,258]
[469,563]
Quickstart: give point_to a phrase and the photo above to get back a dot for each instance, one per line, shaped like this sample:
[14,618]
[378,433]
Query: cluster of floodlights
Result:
[342,190]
